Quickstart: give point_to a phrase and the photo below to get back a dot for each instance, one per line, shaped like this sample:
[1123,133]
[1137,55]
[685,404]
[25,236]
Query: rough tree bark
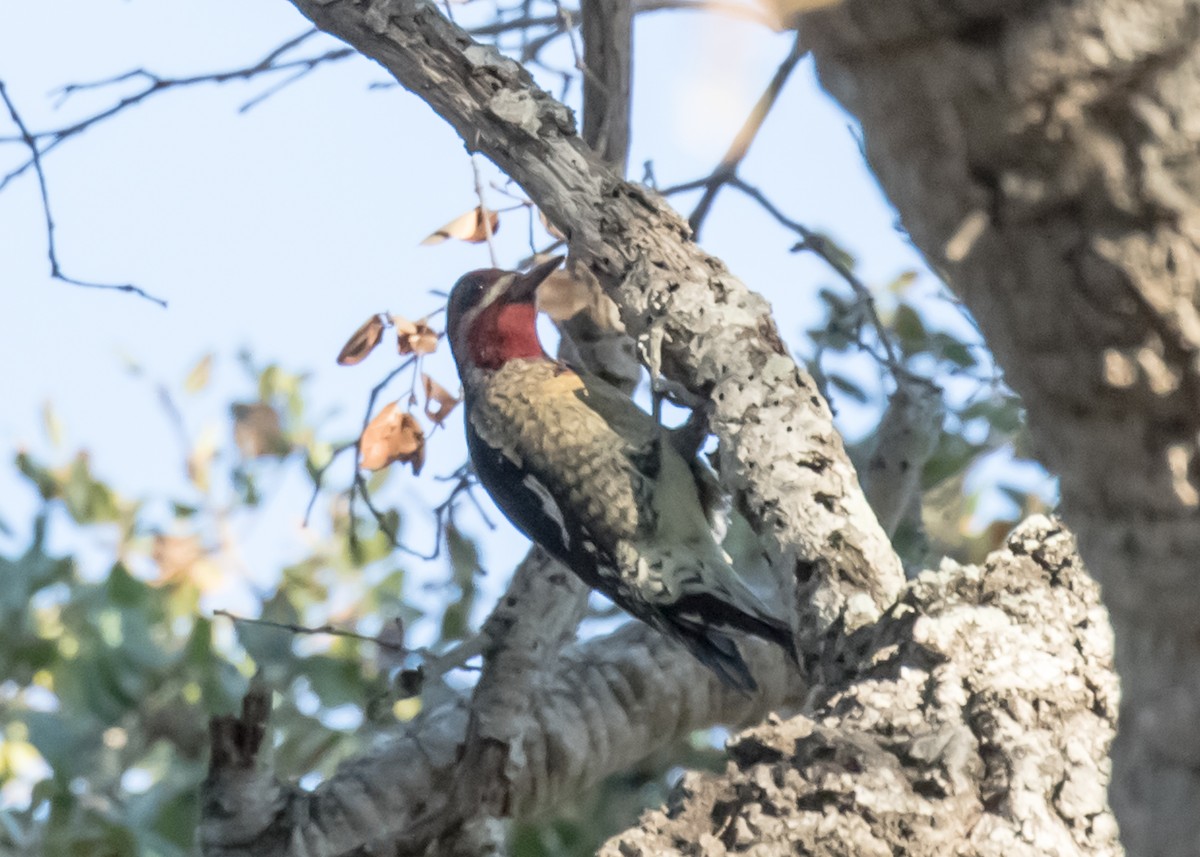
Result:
[972,708]
[706,331]
[979,725]
[1046,157]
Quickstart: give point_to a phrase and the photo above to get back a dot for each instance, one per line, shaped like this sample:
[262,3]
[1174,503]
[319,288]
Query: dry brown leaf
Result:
[414,337]
[554,231]
[438,400]
[468,227]
[362,342]
[257,430]
[394,435]
[561,295]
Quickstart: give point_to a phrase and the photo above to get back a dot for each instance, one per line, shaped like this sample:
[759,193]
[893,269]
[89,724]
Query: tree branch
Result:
[56,270]
[601,707]
[608,78]
[980,727]
[780,455]
[727,169]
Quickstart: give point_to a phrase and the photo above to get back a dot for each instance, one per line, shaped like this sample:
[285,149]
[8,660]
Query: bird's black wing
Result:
[521,497]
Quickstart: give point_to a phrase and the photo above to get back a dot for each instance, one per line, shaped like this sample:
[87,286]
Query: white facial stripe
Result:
[490,295]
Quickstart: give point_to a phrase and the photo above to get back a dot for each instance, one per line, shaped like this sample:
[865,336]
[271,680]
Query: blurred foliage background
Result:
[127,614]
[114,657]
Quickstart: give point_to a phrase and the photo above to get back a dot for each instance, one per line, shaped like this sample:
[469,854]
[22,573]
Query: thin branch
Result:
[156,84]
[523,23]
[727,169]
[56,270]
[319,476]
[484,212]
[751,12]
[818,244]
[331,630]
[738,11]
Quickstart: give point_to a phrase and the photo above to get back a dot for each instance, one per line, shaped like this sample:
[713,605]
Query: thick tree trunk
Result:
[1046,158]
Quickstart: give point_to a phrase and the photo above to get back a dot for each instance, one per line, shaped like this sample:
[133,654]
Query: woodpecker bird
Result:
[584,472]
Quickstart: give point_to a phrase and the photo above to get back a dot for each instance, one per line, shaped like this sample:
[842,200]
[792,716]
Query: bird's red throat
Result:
[505,332]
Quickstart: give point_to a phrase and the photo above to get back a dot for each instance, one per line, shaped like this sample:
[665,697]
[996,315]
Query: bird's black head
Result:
[477,292]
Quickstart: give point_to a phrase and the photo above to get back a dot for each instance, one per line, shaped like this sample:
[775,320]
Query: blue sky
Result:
[281,229]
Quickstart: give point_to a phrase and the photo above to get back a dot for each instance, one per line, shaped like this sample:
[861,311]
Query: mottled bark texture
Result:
[605,705]
[1046,158]
[972,714]
[979,726]
[780,456]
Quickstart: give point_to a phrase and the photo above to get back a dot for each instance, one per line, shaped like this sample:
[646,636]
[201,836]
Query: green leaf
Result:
[52,424]
[124,590]
[88,501]
[960,355]
[902,281]
[35,570]
[337,681]
[265,644]
[826,247]
[951,458]
[464,558]
[908,326]
[183,511]
[43,479]
[66,741]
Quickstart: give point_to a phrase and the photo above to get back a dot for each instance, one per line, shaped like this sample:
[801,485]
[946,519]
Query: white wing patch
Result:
[549,506]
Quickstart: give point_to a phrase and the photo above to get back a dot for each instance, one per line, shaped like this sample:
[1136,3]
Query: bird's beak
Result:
[525,285]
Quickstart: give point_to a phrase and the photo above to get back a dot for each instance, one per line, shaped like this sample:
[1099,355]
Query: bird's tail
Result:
[713,649]
[697,620]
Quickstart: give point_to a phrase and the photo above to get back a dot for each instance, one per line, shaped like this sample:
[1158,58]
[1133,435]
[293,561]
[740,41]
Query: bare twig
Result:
[155,84]
[319,476]
[331,630]
[727,169]
[525,22]
[751,12]
[816,243]
[484,212]
[56,270]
